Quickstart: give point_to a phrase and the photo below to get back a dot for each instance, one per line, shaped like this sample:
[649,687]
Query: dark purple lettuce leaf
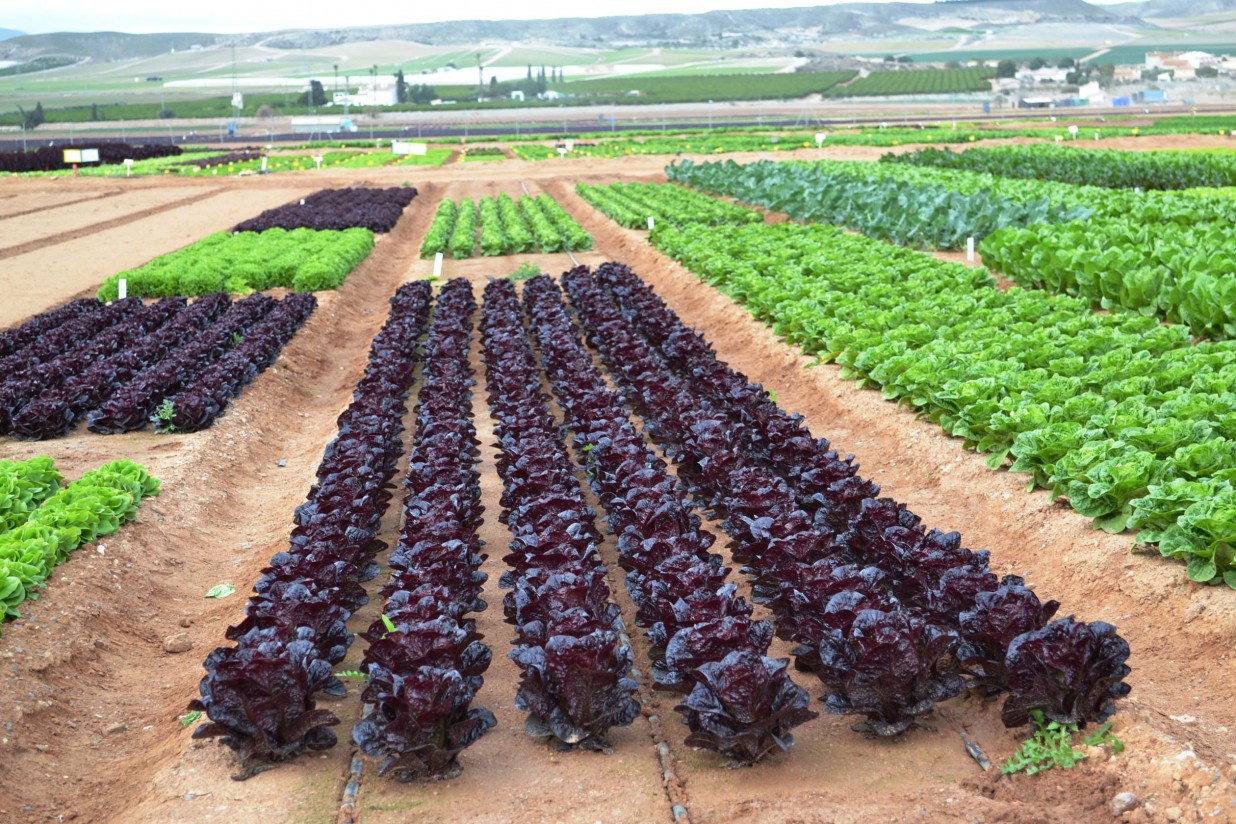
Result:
[374,209]
[1071,670]
[258,701]
[421,726]
[744,707]
[988,629]
[576,689]
[704,642]
[895,670]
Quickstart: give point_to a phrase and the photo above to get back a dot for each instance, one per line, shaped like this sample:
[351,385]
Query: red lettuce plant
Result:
[258,699]
[421,723]
[744,706]
[1070,670]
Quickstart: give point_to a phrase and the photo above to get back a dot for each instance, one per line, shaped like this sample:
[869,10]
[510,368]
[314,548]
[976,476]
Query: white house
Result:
[374,95]
[1092,92]
[1047,74]
[549,95]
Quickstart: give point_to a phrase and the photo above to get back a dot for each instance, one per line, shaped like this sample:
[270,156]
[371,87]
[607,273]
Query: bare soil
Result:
[89,700]
[62,266]
[69,218]
[12,205]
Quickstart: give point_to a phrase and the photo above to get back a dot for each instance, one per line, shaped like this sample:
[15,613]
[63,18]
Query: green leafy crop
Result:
[302,259]
[1051,745]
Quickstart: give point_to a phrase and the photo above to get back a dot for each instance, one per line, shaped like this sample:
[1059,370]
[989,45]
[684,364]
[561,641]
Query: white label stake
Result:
[651,223]
[437,265]
[124,288]
[970,249]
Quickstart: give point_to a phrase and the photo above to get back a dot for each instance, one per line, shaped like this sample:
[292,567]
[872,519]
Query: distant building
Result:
[517,95]
[1182,65]
[379,94]
[1092,93]
[1047,74]
[549,95]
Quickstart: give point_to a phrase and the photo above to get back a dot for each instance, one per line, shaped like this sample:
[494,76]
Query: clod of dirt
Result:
[116,728]
[1123,802]
[179,642]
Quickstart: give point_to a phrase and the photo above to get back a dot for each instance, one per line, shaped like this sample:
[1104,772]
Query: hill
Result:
[719,29]
[101,45]
[1174,9]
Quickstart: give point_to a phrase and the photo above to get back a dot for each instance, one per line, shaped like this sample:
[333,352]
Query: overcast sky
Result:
[228,16]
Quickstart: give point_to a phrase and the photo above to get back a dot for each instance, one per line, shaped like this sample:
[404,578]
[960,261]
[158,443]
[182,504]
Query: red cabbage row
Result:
[198,404]
[17,338]
[891,617]
[259,693]
[223,159]
[56,410]
[51,158]
[571,646]
[56,342]
[79,342]
[739,702]
[133,403]
[375,209]
[425,659]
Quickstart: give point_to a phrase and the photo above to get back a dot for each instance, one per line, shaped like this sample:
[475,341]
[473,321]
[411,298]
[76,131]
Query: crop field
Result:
[605,490]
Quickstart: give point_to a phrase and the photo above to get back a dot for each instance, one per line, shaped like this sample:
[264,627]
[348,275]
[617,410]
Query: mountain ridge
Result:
[745,27]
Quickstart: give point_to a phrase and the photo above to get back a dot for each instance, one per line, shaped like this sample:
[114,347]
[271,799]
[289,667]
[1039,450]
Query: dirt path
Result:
[31,230]
[51,271]
[14,205]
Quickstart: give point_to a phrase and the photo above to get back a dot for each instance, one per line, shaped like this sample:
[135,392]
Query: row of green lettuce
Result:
[503,226]
[187,164]
[41,522]
[1178,272]
[721,142]
[901,204]
[1108,168]
[1165,254]
[1126,418]
[631,205]
[304,260]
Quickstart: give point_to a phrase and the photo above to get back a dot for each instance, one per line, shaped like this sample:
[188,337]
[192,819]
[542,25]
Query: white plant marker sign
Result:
[128,167]
[123,287]
[318,160]
[820,137]
[651,223]
[437,265]
[970,249]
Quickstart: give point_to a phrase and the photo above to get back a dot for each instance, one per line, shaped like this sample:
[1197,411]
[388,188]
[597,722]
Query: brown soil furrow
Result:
[656,707]
[62,237]
[23,211]
[508,776]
